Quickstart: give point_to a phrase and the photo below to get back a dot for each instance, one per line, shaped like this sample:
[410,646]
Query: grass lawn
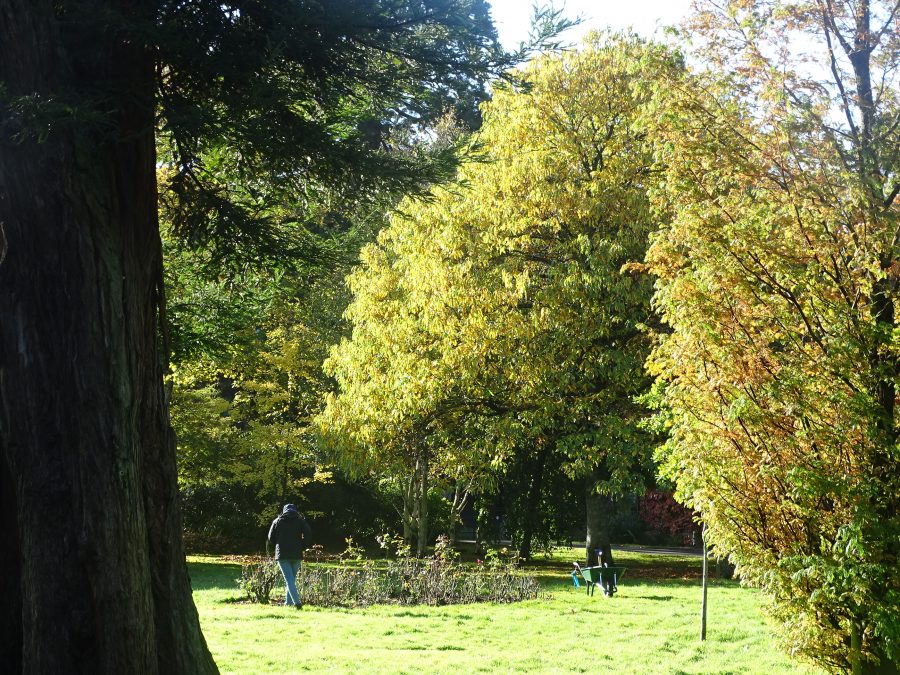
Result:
[650,626]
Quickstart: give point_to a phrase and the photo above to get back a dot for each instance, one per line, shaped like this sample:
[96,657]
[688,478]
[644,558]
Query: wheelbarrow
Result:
[605,577]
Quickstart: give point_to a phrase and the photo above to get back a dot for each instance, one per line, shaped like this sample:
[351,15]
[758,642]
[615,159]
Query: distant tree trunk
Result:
[533,502]
[460,499]
[599,511]
[478,525]
[422,524]
[415,506]
[409,507]
[93,563]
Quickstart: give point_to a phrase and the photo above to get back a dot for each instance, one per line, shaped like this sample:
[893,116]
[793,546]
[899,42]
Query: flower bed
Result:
[403,579]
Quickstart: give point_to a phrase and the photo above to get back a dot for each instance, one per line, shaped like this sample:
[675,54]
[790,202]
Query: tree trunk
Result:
[478,520]
[408,508]
[422,524]
[412,507]
[10,576]
[460,499]
[884,362]
[96,567]
[534,500]
[599,511]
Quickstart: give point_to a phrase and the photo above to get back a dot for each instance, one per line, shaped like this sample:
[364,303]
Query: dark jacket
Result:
[287,533]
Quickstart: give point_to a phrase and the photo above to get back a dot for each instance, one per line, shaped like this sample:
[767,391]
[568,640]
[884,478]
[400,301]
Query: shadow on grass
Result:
[206,576]
[639,566]
[415,615]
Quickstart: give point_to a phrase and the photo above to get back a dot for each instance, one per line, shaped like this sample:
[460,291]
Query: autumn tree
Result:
[778,279]
[505,304]
[287,96]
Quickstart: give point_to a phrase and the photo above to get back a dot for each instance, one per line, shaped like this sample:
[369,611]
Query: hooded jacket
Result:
[287,533]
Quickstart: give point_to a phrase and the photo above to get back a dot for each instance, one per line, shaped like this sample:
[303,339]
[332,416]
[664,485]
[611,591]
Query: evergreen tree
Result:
[255,102]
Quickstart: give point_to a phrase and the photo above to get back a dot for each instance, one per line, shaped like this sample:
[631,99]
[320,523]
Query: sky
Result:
[513,17]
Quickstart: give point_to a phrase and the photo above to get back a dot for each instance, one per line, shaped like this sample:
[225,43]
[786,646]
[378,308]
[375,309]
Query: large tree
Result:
[504,308]
[778,275]
[286,96]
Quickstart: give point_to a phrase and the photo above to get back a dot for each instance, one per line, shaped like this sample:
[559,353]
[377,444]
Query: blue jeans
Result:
[289,569]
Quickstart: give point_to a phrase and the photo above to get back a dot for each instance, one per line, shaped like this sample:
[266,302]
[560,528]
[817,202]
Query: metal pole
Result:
[703,602]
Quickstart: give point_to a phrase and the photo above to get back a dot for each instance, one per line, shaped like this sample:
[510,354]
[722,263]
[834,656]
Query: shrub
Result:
[220,518]
[405,580]
[259,577]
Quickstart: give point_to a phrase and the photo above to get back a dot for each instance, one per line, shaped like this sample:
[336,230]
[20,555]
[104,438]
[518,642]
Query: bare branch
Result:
[889,200]
[829,28]
[887,24]
[828,17]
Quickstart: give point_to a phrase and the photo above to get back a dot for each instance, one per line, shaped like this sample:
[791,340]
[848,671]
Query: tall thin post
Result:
[703,602]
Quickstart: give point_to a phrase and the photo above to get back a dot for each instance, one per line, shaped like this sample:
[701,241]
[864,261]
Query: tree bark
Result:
[10,576]
[599,512]
[460,500]
[84,432]
[412,505]
[534,500]
[408,508]
[422,524]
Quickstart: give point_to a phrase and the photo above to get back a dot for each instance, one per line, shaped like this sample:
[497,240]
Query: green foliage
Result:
[777,278]
[321,107]
[246,371]
[259,578]
[242,416]
[352,552]
[503,315]
[268,192]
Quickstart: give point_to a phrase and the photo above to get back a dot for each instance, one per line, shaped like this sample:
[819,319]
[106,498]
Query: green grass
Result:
[651,626]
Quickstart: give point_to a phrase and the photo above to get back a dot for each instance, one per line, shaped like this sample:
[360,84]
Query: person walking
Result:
[287,533]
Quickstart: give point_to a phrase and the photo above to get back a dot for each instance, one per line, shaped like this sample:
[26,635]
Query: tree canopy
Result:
[777,277]
[261,112]
[506,301]
[185,183]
